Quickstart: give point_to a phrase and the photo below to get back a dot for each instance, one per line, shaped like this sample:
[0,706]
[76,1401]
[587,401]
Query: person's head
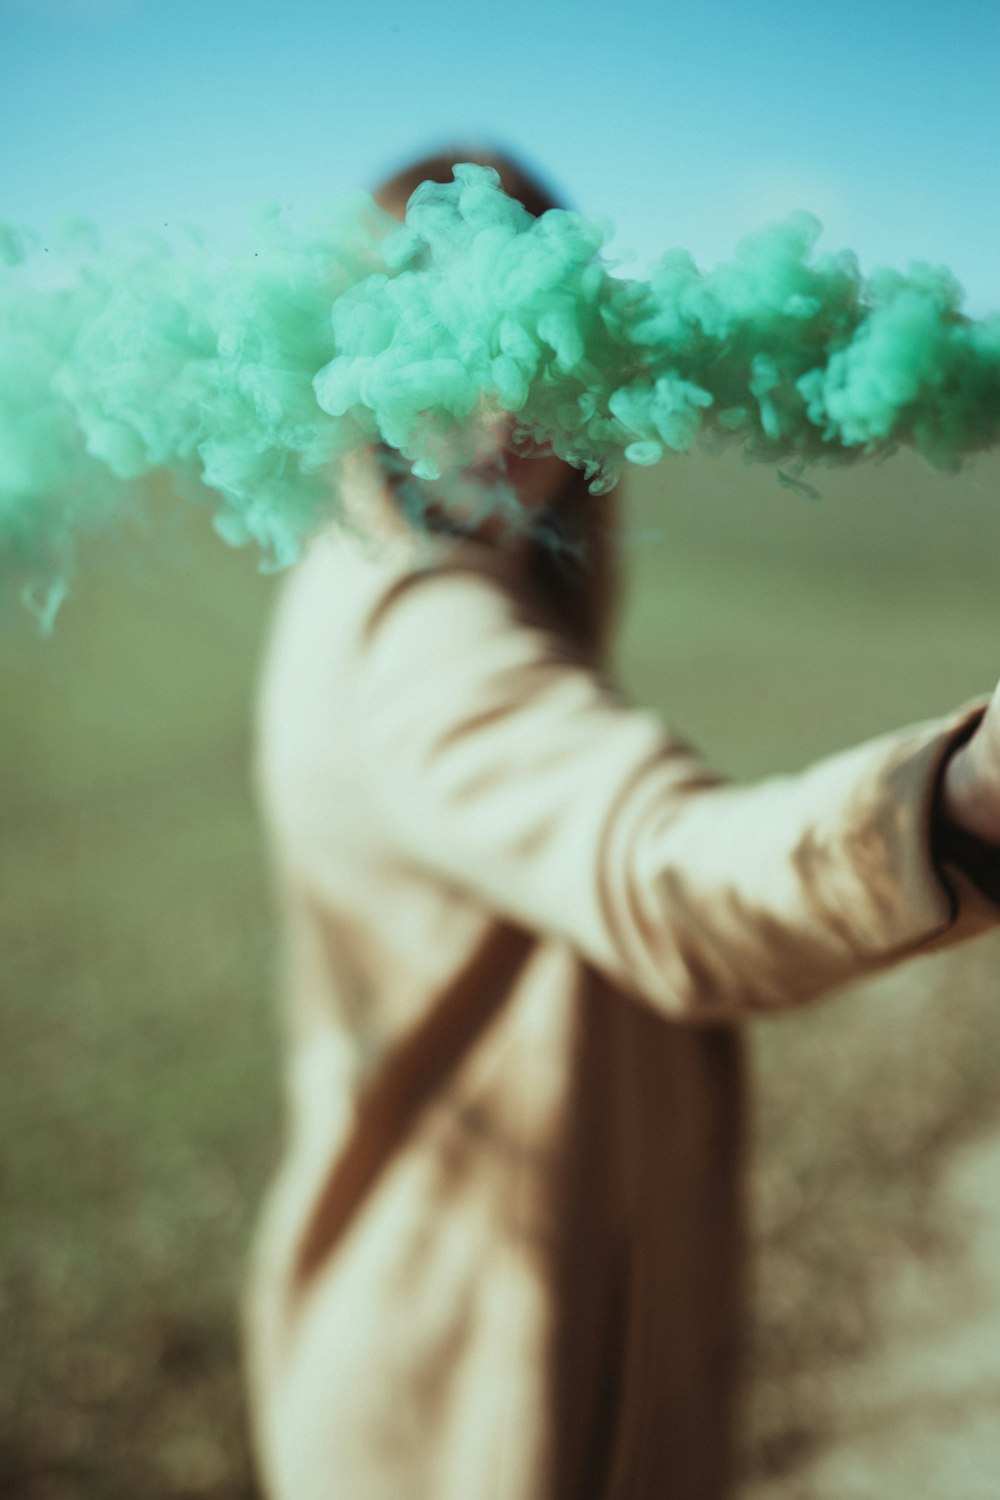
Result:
[571,554]
[526,185]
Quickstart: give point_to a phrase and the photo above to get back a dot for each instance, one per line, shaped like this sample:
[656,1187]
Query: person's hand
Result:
[970,788]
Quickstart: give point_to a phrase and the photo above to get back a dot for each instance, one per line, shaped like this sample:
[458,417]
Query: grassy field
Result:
[139,1111]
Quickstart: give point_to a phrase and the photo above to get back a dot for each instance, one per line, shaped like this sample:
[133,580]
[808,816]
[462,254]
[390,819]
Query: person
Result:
[525,921]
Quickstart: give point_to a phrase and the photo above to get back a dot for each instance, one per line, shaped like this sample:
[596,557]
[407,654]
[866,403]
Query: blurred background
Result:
[139,1095]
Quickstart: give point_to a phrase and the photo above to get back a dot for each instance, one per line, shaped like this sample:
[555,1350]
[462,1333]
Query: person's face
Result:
[485,451]
[537,478]
[480,457]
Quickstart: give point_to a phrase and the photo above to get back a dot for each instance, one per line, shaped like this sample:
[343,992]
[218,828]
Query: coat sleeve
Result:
[510,768]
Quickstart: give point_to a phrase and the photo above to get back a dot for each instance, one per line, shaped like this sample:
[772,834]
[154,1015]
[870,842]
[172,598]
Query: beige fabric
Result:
[502,1259]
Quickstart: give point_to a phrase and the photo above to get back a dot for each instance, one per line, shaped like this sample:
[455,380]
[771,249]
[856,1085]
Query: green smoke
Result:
[247,377]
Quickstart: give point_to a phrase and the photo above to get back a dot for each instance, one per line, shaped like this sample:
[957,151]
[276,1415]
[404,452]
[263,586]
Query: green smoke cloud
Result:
[249,376]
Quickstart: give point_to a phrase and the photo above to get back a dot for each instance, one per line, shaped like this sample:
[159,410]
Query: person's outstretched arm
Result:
[505,765]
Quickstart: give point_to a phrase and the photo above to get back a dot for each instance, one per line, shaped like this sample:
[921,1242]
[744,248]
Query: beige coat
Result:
[502,1259]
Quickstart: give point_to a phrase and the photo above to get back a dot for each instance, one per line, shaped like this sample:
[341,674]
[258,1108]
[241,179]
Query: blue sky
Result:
[686,125]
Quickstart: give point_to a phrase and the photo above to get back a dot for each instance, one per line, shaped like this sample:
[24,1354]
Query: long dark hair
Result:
[573,560]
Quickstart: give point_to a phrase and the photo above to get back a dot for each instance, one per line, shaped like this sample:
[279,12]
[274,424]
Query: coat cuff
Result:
[965,869]
[969,867]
